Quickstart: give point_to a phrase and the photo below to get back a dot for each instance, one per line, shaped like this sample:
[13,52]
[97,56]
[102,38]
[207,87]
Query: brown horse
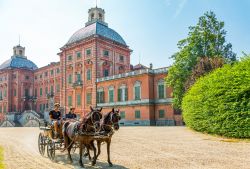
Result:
[76,132]
[109,123]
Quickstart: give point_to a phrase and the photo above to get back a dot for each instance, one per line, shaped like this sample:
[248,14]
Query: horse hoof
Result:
[110,164]
[93,163]
[82,166]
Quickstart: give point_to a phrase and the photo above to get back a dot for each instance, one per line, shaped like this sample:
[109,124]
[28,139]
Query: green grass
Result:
[1,158]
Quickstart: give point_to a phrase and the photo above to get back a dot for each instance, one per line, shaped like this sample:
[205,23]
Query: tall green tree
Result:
[206,39]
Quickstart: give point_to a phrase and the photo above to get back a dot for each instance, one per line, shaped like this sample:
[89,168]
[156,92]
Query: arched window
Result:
[100,95]
[92,16]
[122,93]
[137,90]
[100,16]
[111,94]
[161,89]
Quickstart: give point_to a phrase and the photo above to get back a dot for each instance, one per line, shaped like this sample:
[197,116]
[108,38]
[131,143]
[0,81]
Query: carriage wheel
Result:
[51,148]
[41,144]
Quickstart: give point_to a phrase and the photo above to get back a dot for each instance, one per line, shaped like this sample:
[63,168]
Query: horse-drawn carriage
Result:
[47,141]
[79,135]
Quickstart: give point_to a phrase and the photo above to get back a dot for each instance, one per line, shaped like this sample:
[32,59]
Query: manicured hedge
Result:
[219,103]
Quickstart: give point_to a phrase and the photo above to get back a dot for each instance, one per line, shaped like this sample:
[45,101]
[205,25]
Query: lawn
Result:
[1,158]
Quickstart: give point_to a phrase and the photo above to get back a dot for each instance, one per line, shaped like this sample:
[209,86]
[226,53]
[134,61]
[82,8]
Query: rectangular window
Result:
[137,93]
[78,77]
[35,77]
[106,73]
[51,72]
[126,94]
[14,108]
[88,74]
[69,101]
[1,109]
[1,95]
[79,100]
[14,92]
[161,114]
[137,114]
[119,95]
[69,58]
[100,97]
[57,70]
[105,53]
[41,91]
[122,114]
[121,58]
[35,92]
[41,107]
[27,77]
[4,109]
[51,89]
[46,90]
[26,92]
[78,55]
[70,79]
[58,88]
[41,76]
[88,52]
[46,74]
[122,94]
[161,91]
[89,97]
[111,96]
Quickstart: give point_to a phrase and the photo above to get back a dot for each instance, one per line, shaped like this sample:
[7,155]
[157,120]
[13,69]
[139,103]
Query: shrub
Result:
[219,103]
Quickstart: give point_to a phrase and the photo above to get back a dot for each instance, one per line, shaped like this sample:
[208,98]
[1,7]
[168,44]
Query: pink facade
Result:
[94,70]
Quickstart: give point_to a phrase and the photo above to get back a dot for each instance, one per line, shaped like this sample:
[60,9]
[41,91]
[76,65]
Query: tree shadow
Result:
[62,159]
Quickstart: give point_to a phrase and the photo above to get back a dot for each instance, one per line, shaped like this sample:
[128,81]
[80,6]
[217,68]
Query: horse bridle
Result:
[111,122]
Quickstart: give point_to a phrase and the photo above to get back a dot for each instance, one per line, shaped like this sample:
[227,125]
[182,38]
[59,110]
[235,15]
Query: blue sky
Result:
[151,28]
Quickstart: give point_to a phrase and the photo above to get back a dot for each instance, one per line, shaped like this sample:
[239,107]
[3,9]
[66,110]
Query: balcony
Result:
[78,84]
[137,102]
[29,98]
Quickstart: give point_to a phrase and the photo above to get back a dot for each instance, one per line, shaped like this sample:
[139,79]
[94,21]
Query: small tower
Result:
[19,51]
[96,15]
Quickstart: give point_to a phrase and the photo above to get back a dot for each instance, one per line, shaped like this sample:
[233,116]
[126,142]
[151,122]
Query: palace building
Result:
[94,70]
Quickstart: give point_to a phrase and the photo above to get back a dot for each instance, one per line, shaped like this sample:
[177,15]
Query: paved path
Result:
[135,148]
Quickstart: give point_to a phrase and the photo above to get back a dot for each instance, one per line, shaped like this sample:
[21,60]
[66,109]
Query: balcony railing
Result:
[78,84]
[29,98]
[134,73]
[137,102]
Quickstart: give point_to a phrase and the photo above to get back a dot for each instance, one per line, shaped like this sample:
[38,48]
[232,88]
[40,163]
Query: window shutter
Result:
[126,94]
[119,95]
[97,97]
[102,98]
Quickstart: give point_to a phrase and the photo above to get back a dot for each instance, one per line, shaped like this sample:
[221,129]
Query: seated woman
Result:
[55,117]
[71,115]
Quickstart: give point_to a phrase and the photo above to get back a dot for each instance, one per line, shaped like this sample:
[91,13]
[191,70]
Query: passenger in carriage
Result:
[55,117]
[71,114]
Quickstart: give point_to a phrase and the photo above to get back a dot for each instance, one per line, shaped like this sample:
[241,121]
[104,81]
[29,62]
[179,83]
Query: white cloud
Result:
[180,7]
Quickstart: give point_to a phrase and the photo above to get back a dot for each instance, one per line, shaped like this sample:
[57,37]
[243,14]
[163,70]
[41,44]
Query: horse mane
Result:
[105,117]
[86,117]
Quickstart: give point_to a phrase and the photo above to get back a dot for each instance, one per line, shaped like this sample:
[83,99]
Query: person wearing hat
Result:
[71,114]
[55,117]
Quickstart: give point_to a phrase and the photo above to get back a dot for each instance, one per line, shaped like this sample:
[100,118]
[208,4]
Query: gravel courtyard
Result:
[135,148]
